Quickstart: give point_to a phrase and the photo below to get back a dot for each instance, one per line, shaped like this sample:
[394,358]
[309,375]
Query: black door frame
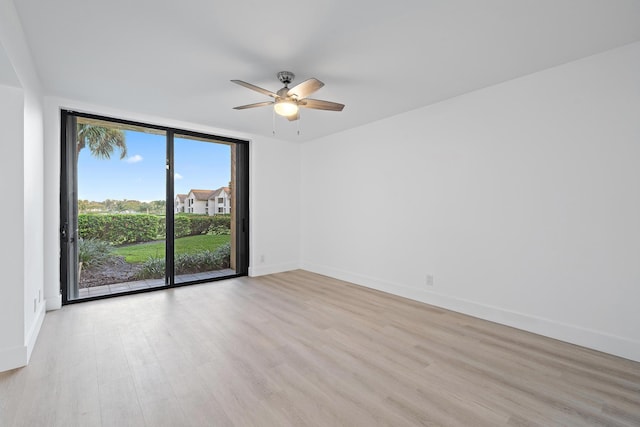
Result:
[68,201]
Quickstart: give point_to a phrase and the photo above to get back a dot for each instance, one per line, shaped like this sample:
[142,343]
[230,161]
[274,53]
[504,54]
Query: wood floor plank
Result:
[300,349]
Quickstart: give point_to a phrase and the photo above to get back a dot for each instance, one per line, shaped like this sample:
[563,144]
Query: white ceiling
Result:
[175,58]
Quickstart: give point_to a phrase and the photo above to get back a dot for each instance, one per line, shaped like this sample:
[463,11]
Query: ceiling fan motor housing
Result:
[282,93]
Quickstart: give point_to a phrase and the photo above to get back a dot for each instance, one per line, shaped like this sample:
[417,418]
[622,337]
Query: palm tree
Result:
[102,141]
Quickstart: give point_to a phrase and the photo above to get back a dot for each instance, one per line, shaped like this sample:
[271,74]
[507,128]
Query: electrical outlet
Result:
[262,258]
[429,280]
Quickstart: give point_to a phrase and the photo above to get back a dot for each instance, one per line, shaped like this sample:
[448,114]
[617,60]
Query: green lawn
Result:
[135,254]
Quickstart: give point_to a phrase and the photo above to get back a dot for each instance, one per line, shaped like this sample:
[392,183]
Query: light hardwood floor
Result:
[298,349]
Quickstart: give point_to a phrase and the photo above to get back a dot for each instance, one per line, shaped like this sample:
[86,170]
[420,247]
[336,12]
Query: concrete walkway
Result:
[118,288]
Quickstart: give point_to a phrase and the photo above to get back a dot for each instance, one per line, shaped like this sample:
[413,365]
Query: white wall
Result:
[22,166]
[275,208]
[275,229]
[33,212]
[522,200]
[12,351]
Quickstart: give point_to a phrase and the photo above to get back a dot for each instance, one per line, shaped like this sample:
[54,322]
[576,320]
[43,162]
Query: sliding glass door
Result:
[202,232]
[146,207]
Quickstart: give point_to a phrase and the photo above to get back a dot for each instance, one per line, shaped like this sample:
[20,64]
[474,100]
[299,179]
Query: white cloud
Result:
[177,176]
[134,159]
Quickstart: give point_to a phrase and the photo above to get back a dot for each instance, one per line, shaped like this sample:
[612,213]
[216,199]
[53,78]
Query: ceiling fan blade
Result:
[256,88]
[257,104]
[305,88]
[318,104]
[293,118]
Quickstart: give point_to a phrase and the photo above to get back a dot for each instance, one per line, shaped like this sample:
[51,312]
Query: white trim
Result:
[271,269]
[12,358]
[595,340]
[32,335]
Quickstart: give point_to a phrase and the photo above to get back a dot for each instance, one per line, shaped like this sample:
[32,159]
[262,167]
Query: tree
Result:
[102,141]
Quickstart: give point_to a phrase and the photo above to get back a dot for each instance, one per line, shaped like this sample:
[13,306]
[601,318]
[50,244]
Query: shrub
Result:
[119,229]
[181,226]
[93,252]
[162,228]
[222,256]
[199,224]
[154,267]
[218,230]
[193,263]
[221,225]
[222,220]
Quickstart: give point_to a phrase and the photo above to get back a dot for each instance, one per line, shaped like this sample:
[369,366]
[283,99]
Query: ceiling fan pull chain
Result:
[299,120]
[273,122]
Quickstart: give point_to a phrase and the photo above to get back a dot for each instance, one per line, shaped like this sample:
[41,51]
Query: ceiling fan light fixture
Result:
[286,108]
[287,101]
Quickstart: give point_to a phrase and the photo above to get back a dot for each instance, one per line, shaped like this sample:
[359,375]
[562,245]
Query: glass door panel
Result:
[204,215]
[121,208]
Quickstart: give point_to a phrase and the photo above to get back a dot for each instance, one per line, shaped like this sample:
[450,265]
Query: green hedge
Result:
[223,220]
[119,229]
[200,224]
[181,226]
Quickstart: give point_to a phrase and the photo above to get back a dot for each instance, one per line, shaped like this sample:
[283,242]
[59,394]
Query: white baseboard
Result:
[272,268]
[19,356]
[12,358]
[618,346]
[54,303]
[32,336]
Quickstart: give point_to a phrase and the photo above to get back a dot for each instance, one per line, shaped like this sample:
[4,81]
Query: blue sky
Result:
[141,176]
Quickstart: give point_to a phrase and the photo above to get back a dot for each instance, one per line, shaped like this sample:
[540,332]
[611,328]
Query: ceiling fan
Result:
[287,101]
